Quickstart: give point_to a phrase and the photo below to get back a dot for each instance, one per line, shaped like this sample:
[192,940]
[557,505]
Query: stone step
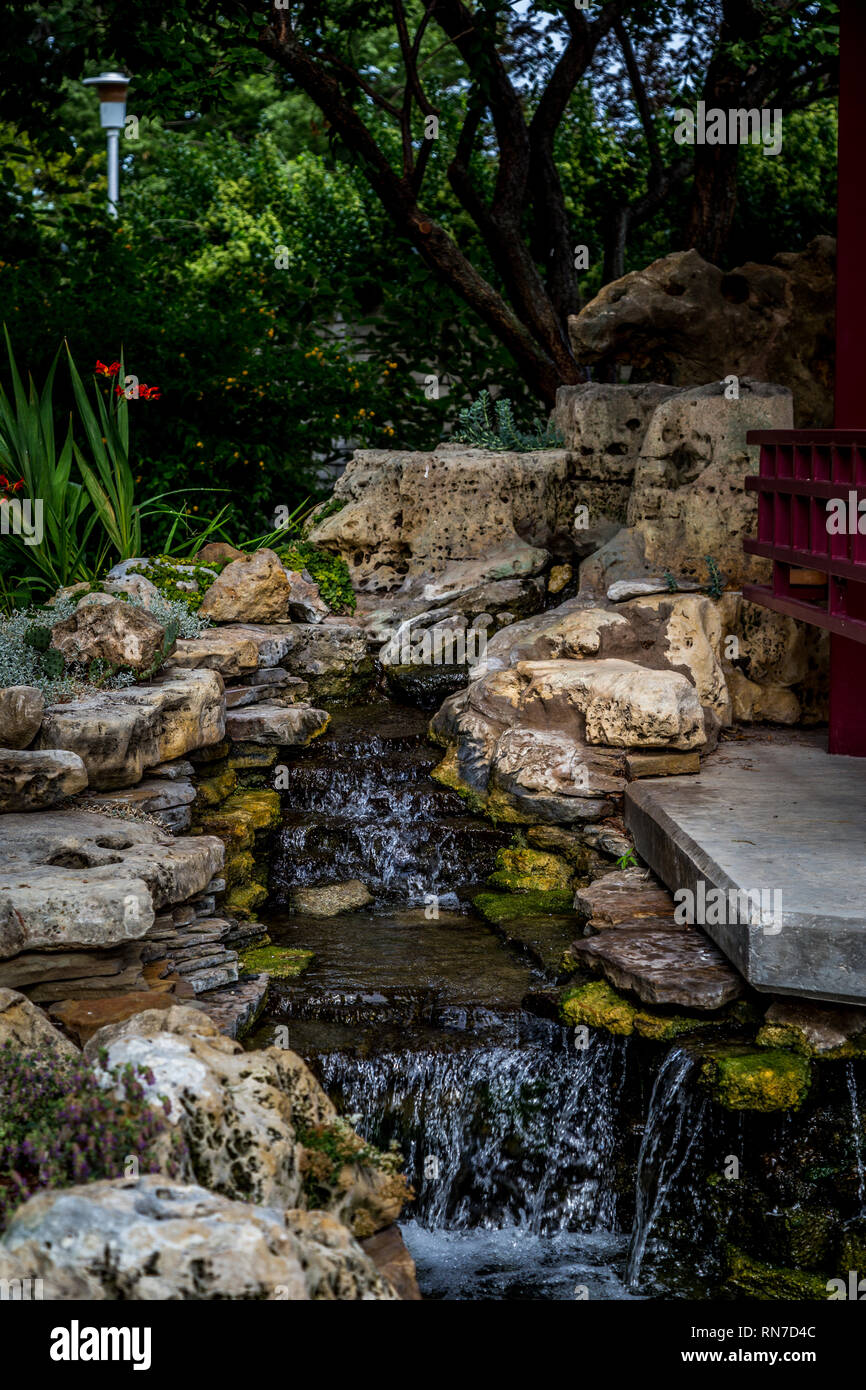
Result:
[662,964]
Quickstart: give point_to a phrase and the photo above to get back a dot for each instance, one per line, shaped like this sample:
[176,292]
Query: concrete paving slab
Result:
[779,827]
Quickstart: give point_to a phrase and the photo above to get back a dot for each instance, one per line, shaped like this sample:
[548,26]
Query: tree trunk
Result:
[714,200]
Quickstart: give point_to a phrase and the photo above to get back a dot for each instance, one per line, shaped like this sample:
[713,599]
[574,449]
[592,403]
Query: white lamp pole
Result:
[112,88]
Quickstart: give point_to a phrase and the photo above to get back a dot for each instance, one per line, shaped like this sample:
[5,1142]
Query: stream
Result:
[541,1169]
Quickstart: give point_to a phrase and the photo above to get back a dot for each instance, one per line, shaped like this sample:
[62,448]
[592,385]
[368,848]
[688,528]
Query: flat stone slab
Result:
[622,897]
[34,780]
[286,725]
[235,1007]
[662,964]
[773,814]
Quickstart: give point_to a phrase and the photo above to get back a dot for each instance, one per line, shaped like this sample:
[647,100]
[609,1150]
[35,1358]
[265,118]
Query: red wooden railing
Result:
[818,576]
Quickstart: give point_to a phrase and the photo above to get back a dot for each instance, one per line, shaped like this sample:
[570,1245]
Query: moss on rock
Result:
[771,1282]
[743,1078]
[260,805]
[242,900]
[520,870]
[283,962]
[212,791]
[329,572]
[503,907]
[598,1005]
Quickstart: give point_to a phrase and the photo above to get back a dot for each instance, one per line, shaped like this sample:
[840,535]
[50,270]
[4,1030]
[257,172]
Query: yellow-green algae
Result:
[519,870]
[740,1077]
[771,1282]
[599,1005]
[283,962]
[504,907]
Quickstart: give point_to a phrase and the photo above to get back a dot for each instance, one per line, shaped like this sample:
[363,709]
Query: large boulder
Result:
[254,589]
[245,1116]
[286,725]
[32,780]
[76,884]
[688,500]
[149,1238]
[115,632]
[604,426]
[119,733]
[543,740]
[412,514]
[21,709]
[685,321]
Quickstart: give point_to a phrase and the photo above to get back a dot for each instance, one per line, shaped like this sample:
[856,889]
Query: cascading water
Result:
[414,1014]
[857,1132]
[672,1134]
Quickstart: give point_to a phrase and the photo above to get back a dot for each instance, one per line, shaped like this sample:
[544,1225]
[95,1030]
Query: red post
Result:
[847,658]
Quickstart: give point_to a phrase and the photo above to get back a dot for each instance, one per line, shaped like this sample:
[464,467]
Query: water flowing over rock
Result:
[150,1238]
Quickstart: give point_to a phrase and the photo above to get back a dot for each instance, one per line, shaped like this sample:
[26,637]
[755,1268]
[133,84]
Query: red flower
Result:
[149,393]
[110,370]
[7,488]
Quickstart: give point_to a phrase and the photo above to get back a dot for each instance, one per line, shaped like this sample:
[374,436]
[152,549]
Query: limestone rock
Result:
[21,708]
[305,602]
[241,1113]
[330,899]
[70,879]
[215,551]
[27,1028]
[31,780]
[411,514]
[115,632]
[603,426]
[662,964]
[253,589]
[685,321]
[623,896]
[814,1029]
[229,650]
[149,1238]
[332,657]
[286,725]
[119,733]
[688,499]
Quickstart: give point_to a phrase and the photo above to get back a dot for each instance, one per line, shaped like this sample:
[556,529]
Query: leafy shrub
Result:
[61,1125]
[481,429]
[330,1147]
[330,572]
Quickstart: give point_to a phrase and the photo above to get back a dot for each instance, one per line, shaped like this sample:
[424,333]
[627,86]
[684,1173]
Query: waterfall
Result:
[521,1134]
[857,1127]
[673,1128]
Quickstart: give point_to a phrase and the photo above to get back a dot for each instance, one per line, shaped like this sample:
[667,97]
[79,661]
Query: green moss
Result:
[599,1006]
[522,869]
[283,962]
[770,1282]
[243,900]
[168,575]
[260,806]
[329,572]
[660,1027]
[212,791]
[238,868]
[503,907]
[768,1079]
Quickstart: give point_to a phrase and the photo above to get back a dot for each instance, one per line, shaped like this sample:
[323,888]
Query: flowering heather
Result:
[59,1126]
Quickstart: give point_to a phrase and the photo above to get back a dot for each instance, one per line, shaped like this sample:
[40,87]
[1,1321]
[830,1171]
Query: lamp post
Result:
[112,88]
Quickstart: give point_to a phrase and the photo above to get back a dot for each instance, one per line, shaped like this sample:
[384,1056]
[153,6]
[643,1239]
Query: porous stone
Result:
[685,321]
[151,1238]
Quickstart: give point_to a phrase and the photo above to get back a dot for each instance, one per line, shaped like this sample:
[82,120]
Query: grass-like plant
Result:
[489,424]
